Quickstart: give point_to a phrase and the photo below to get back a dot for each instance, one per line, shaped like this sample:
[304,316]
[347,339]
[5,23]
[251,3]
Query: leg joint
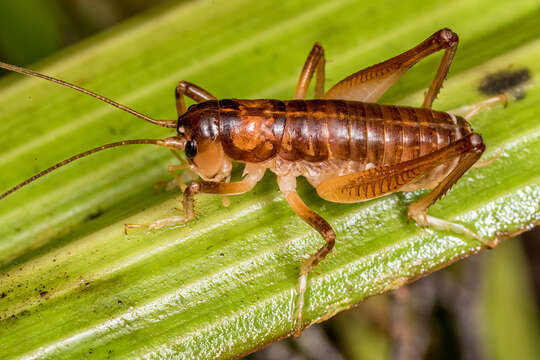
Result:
[318,48]
[447,37]
[330,236]
[192,189]
[476,142]
[181,88]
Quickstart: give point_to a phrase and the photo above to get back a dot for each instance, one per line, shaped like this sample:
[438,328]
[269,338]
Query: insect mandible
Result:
[347,146]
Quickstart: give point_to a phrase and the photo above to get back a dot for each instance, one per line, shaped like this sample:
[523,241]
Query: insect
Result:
[350,148]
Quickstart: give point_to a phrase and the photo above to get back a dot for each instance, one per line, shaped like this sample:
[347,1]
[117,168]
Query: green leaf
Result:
[72,284]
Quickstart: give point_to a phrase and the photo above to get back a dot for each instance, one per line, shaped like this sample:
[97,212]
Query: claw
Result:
[302,285]
[420,218]
[134,226]
[502,98]
[225,201]
[158,224]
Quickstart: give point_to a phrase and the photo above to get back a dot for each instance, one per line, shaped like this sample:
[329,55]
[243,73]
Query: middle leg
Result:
[287,185]
[372,82]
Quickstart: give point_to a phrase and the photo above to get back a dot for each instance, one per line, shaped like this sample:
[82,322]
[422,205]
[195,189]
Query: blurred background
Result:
[33,29]
[485,307]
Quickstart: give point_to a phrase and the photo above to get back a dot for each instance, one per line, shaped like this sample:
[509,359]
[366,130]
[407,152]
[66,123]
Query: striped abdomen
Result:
[320,130]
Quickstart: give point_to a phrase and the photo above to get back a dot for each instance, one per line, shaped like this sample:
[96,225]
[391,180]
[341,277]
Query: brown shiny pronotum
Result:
[347,146]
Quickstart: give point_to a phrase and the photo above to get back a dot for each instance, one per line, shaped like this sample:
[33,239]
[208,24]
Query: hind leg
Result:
[417,210]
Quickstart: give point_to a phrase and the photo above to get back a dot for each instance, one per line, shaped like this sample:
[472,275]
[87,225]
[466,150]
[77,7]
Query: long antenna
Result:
[164,123]
[161,142]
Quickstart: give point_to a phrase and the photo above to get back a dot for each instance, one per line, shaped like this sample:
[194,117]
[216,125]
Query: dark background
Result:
[32,29]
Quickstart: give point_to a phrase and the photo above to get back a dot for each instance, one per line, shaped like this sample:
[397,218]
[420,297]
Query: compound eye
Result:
[191,149]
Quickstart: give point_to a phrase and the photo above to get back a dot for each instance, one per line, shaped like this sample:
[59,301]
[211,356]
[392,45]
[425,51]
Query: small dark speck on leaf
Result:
[120,302]
[221,254]
[504,81]
[43,293]
[3,295]
[93,215]
[87,283]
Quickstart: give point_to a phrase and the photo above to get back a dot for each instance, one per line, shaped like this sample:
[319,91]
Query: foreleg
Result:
[314,65]
[253,174]
[192,91]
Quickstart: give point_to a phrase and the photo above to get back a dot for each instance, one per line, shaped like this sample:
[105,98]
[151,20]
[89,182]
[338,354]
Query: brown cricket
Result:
[347,146]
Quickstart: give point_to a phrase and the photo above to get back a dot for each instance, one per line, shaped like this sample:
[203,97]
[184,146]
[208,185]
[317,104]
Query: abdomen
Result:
[318,131]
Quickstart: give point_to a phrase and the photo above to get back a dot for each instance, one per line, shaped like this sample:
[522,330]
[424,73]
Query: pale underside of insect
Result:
[350,148]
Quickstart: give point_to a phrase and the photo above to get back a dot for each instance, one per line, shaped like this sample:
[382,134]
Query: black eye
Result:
[190,149]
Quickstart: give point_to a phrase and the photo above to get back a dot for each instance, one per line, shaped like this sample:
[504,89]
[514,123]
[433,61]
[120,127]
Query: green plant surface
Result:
[73,285]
